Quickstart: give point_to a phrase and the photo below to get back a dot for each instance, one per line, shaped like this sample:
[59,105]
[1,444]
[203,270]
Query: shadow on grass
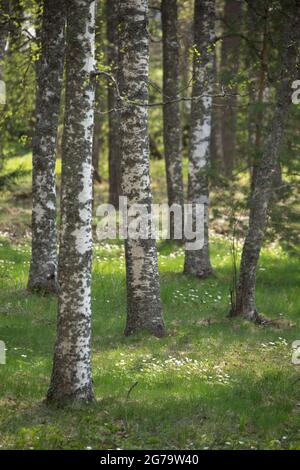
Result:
[256,409]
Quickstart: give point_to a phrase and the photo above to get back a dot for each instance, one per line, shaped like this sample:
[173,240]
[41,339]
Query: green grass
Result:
[213,382]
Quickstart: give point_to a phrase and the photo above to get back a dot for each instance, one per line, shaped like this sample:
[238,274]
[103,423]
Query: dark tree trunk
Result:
[100,94]
[263,184]
[4,29]
[171,109]
[144,311]
[97,140]
[197,262]
[49,70]
[229,70]
[71,375]
[256,118]
[216,141]
[112,7]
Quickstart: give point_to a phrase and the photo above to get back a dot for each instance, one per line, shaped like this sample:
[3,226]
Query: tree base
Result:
[157,330]
[200,274]
[60,399]
[250,315]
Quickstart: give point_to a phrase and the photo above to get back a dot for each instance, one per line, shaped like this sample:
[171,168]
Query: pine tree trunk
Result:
[229,70]
[49,70]
[171,109]
[71,376]
[144,311]
[112,7]
[263,184]
[197,262]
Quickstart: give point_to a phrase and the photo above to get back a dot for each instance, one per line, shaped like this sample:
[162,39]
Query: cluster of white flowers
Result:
[151,367]
[273,344]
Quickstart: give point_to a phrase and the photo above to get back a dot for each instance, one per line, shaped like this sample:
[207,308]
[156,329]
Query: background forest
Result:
[206,358]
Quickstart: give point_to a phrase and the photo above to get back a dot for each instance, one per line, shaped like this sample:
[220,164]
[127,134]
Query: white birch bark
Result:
[197,262]
[143,293]
[71,375]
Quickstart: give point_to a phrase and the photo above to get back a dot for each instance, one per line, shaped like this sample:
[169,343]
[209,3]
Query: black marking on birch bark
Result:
[197,262]
[264,181]
[171,111]
[144,310]
[49,71]
[71,375]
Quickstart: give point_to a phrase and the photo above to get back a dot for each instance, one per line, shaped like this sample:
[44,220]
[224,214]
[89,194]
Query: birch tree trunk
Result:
[49,70]
[171,108]
[71,375]
[197,262]
[112,7]
[264,180]
[144,311]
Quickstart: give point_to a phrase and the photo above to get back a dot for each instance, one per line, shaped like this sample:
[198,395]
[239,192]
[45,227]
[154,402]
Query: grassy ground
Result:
[212,383]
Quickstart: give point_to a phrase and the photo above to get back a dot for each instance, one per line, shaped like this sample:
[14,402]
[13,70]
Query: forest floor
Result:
[212,383]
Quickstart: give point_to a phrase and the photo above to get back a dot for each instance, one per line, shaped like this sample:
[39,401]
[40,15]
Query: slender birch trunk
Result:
[197,262]
[144,311]
[49,70]
[112,7]
[71,375]
[171,108]
[264,180]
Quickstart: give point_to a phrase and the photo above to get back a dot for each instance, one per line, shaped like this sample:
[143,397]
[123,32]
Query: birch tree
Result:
[197,262]
[49,70]
[71,374]
[263,184]
[171,108]
[144,309]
